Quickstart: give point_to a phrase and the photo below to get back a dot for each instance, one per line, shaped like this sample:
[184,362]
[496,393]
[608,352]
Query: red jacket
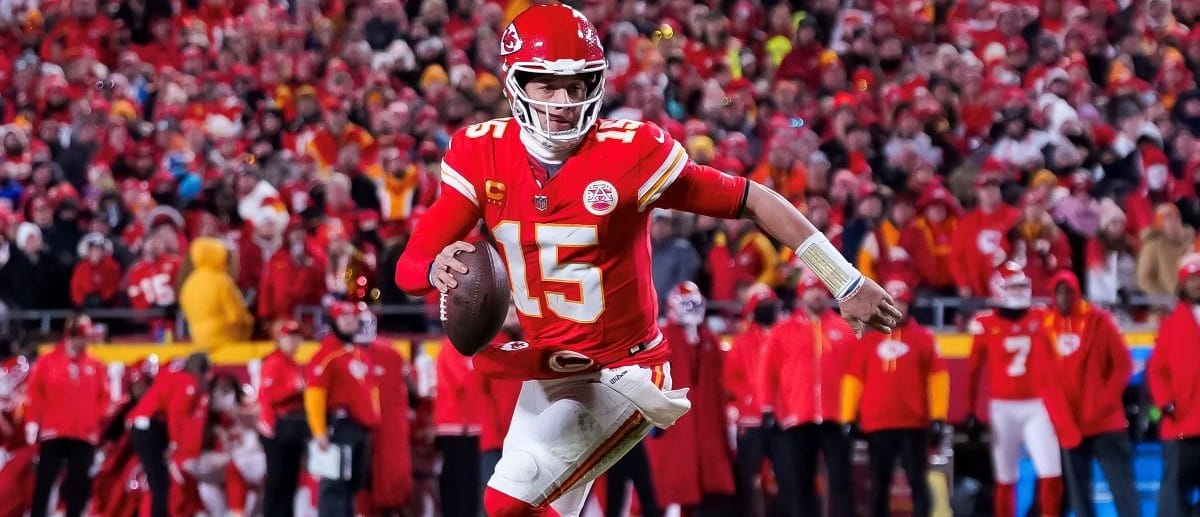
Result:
[498,400]
[1173,370]
[743,375]
[68,396]
[804,363]
[457,394]
[339,373]
[101,279]
[1088,371]
[286,284]
[692,458]
[978,240]
[177,400]
[281,390]
[391,466]
[902,380]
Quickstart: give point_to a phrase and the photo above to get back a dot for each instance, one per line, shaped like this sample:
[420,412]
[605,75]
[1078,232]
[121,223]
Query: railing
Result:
[939,308]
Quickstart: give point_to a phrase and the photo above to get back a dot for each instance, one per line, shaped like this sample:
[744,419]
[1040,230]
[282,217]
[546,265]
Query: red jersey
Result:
[895,372]
[1011,350]
[152,283]
[1173,369]
[576,243]
[978,241]
[68,396]
[341,372]
[281,390]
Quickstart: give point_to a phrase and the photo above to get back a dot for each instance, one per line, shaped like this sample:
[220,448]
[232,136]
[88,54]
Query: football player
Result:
[1009,340]
[568,196]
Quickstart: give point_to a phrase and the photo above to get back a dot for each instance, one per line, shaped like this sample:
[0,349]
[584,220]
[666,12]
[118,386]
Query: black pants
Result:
[909,445]
[633,467]
[336,497]
[284,453]
[1181,477]
[1115,454]
[77,484]
[754,444]
[459,486]
[151,447]
[827,440]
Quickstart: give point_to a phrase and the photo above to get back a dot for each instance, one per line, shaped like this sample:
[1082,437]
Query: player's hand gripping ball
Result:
[474,294]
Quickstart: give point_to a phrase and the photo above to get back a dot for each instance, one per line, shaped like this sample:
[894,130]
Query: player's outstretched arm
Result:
[862,301]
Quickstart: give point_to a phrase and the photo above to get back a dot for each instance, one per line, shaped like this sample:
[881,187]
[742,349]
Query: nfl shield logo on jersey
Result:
[600,198]
[541,202]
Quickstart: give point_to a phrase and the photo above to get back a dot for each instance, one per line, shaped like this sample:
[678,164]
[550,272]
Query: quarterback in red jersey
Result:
[1010,341]
[568,196]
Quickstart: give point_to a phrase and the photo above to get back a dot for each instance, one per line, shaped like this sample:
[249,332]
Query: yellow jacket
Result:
[215,311]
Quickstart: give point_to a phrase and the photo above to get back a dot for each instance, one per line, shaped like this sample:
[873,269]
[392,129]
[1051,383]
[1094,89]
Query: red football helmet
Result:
[1011,288]
[685,305]
[552,39]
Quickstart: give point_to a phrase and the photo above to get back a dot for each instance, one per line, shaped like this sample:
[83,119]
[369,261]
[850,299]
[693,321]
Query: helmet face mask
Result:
[534,115]
[685,305]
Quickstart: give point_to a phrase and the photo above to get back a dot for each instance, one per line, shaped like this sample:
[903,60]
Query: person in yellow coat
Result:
[215,311]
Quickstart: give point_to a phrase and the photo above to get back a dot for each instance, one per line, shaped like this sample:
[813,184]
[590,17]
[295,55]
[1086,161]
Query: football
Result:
[474,310]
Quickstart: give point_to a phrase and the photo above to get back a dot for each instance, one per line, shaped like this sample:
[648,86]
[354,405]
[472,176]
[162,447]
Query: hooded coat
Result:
[215,311]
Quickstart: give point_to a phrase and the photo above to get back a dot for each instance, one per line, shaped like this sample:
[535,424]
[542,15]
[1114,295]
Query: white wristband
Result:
[842,279]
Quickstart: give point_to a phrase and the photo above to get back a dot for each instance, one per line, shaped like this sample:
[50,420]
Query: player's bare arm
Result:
[862,301]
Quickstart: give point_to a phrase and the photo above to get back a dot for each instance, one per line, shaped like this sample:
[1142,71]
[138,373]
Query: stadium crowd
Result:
[238,159]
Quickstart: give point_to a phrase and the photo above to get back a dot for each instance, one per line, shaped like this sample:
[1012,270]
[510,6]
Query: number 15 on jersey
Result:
[550,238]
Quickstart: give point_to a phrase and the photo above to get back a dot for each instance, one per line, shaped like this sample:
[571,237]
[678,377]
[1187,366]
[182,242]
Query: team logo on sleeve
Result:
[513,346]
[600,197]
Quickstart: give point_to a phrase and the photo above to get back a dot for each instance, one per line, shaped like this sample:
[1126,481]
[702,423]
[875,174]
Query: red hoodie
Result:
[1173,372]
[68,396]
[1088,371]
[177,400]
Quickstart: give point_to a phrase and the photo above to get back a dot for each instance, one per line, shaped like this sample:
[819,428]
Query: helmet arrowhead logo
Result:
[510,41]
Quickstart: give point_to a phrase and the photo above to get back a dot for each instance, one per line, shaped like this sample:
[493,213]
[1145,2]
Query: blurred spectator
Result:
[391,465]
[1088,375]
[1111,259]
[979,239]
[1163,244]
[281,421]
[928,240]
[744,369]
[68,402]
[1038,244]
[741,256]
[897,389]
[457,427]
[97,276]
[1172,365]
[152,281]
[675,259]
[691,461]
[349,273]
[211,303]
[294,277]
[804,360]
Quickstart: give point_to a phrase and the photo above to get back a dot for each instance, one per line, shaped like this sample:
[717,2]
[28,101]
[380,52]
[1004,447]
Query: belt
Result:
[567,361]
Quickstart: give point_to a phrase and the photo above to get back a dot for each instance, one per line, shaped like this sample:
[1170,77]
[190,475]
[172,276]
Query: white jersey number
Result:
[1019,346]
[549,238]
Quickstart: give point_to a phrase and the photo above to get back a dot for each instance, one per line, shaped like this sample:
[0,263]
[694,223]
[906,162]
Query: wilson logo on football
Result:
[510,41]
[513,346]
[600,198]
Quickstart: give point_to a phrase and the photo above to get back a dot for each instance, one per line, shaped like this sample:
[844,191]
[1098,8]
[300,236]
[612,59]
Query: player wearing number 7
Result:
[1010,341]
[567,197]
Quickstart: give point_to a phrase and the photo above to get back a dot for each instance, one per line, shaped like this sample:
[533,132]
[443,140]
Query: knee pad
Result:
[517,466]
[499,504]
[566,429]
